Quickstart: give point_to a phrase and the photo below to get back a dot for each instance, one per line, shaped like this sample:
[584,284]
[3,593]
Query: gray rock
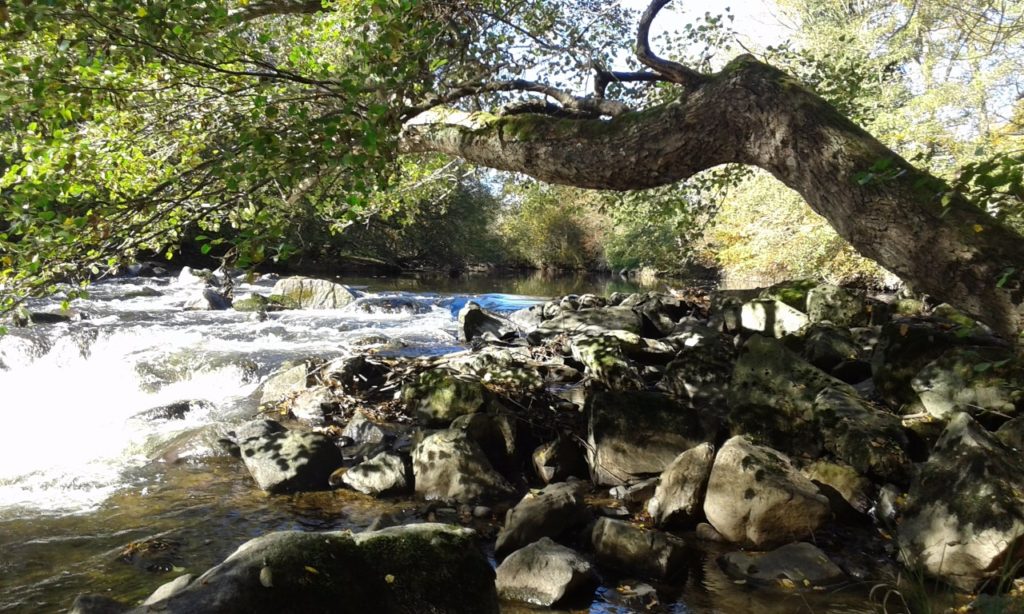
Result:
[356,373]
[289,380]
[388,304]
[547,513]
[313,405]
[495,433]
[383,474]
[169,589]
[413,569]
[558,460]
[827,345]
[528,319]
[870,439]
[309,293]
[755,497]
[773,318]
[964,518]
[509,367]
[634,435]
[842,484]
[700,374]
[605,362]
[635,493]
[449,466]
[361,430]
[475,321]
[841,306]
[544,573]
[798,565]
[975,380]
[290,461]
[589,321]
[629,548]
[207,299]
[437,397]
[679,498]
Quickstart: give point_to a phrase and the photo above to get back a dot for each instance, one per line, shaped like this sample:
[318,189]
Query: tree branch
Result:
[672,71]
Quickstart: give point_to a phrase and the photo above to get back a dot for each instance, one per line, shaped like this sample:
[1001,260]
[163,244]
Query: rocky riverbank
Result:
[818,436]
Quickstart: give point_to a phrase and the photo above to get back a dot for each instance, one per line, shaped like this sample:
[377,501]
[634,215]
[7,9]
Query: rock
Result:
[257,303]
[793,566]
[495,433]
[964,518]
[976,380]
[544,573]
[907,346]
[194,277]
[700,374]
[388,305]
[679,498]
[284,383]
[793,293]
[97,604]
[289,461]
[174,411]
[413,569]
[207,299]
[313,405]
[605,362]
[843,486]
[588,322]
[558,460]
[638,434]
[772,397]
[384,474]
[528,319]
[362,430]
[356,373]
[660,313]
[869,439]
[1011,433]
[636,493]
[448,466]
[547,513]
[755,497]
[773,318]
[309,293]
[629,548]
[592,301]
[169,589]
[474,322]
[437,397]
[507,367]
[827,345]
[840,306]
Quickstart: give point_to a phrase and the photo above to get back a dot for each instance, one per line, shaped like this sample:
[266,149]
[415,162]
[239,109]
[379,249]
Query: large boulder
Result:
[449,466]
[605,362]
[589,322]
[547,513]
[438,396]
[634,550]
[383,474]
[679,498]
[755,497]
[289,461]
[964,518]
[310,293]
[413,569]
[512,368]
[638,434]
[800,565]
[976,380]
[545,573]
[772,397]
[826,346]
[701,374]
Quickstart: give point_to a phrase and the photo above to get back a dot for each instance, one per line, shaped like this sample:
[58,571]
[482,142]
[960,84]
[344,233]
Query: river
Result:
[85,471]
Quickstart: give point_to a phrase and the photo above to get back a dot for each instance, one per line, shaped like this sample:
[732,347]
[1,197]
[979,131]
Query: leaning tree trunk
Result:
[751,113]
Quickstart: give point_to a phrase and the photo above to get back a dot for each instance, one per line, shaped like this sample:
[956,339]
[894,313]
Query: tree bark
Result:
[751,113]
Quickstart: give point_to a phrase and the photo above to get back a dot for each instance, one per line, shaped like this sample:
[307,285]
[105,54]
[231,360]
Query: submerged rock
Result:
[544,573]
[799,566]
[413,569]
[964,518]
[629,548]
[756,497]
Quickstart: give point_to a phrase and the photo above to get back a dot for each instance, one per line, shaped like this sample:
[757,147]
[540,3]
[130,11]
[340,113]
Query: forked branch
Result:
[672,71]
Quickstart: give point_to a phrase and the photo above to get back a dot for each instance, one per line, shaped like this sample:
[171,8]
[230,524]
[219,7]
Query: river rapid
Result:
[88,470]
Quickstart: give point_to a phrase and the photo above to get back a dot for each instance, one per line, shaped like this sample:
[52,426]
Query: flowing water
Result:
[86,471]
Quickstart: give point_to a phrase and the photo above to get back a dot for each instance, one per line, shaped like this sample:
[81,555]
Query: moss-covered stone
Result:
[310,293]
[438,396]
[866,437]
[792,293]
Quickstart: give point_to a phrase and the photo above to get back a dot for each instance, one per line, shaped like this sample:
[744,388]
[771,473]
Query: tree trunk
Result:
[751,113]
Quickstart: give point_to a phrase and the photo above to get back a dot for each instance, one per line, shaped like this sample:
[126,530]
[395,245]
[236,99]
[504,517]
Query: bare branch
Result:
[603,78]
[588,106]
[672,71]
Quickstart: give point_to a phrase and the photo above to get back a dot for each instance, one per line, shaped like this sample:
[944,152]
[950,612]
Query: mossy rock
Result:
[258,302]
[438,396]
[792,293]
[869,439]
